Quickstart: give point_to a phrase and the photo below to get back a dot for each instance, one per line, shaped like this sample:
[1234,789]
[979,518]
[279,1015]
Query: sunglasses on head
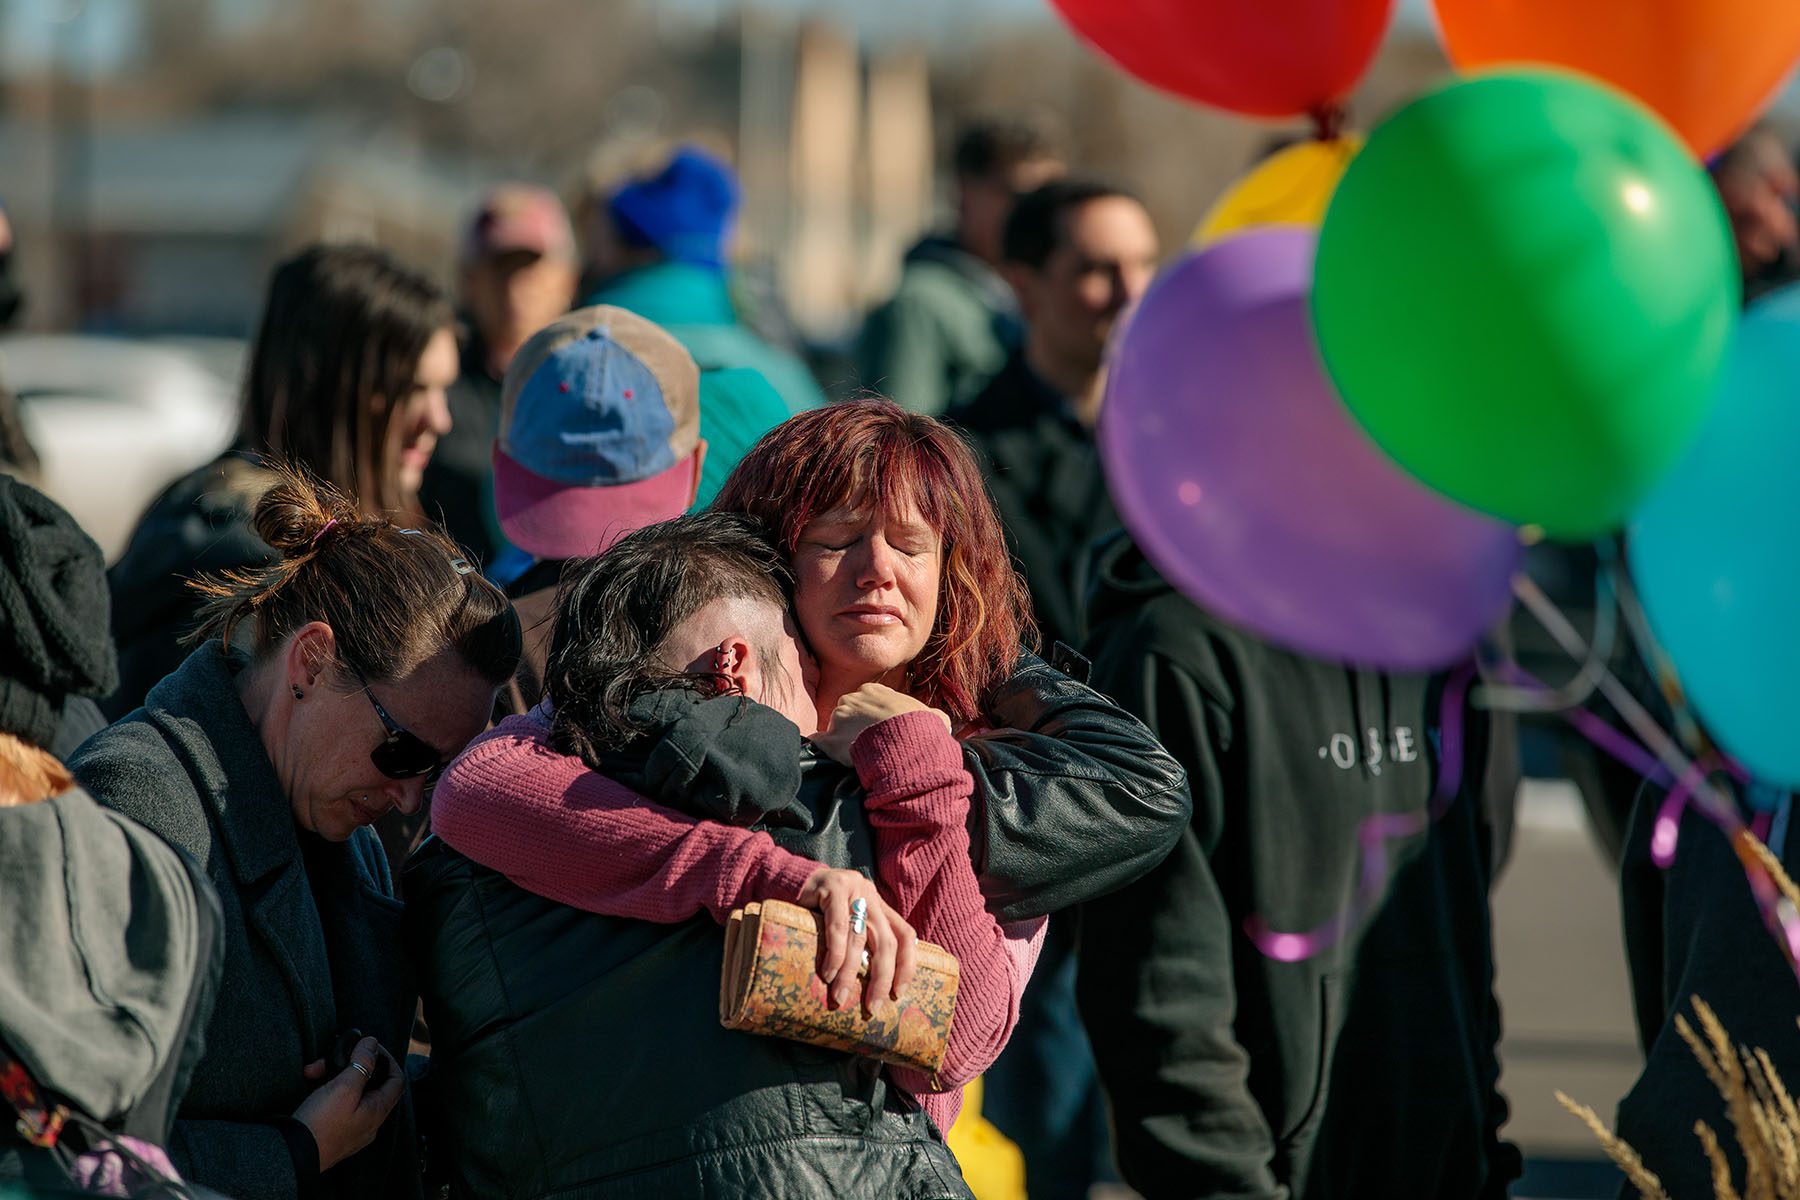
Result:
[403,754]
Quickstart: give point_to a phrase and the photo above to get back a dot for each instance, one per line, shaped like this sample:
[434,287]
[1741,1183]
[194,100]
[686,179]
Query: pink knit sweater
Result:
[552,826]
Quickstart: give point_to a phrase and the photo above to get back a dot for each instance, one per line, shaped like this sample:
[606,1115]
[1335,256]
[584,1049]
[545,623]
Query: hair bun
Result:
[300,513]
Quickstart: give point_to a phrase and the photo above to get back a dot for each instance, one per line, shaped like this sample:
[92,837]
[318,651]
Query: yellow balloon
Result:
[1289,188]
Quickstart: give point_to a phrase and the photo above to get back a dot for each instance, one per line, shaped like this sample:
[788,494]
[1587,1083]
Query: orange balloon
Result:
[1709,67]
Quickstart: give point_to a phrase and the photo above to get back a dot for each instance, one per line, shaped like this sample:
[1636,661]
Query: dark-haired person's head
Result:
[995,162]
[376,653]
[349,372]
[699,601]
[1078,253]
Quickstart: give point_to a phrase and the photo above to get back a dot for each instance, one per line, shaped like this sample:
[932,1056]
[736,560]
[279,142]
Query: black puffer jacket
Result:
[577,1056]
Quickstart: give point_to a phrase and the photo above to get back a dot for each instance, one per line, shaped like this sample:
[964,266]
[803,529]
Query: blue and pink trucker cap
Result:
[599,433]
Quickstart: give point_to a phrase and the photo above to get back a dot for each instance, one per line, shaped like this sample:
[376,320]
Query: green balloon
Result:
[1525,289]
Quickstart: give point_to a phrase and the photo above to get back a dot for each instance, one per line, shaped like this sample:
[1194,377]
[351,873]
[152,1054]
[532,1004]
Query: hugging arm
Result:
[918,802]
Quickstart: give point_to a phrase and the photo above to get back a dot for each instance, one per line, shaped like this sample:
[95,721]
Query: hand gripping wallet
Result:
[770,985]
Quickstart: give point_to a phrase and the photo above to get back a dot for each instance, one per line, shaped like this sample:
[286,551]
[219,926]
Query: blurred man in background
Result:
[1760,188]
[518,273]
[657,247]
[953,320]
[1077,253]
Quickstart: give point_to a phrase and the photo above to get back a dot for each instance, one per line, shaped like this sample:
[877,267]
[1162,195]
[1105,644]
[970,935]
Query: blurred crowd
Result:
[368,826]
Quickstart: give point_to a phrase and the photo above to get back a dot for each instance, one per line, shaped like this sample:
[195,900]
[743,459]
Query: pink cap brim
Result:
[555,520]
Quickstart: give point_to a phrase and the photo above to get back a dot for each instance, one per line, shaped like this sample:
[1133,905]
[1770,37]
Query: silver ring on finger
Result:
[366,1073]
[859,915]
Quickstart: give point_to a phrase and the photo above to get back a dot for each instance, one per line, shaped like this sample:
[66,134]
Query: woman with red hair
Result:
[901,578]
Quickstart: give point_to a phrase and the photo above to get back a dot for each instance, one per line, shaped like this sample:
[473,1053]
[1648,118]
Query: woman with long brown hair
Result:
[347,379]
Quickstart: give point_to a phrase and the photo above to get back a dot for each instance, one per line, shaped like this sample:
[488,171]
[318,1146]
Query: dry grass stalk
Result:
[1641,1177]
[1783,883]
[1747,1122]
[1788,1121]
[1765,1119]
[1777,1135]
[1721,1170]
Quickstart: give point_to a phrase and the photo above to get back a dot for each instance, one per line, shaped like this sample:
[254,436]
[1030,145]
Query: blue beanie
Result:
[684,212]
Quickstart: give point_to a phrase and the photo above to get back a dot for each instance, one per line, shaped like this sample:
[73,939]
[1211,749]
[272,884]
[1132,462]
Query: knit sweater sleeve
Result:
[544,820]
[918,803]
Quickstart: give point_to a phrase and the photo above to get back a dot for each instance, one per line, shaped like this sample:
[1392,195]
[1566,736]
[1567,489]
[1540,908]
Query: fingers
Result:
[882,944]
[314,1071]
[381,1101]
[361,1071]
[906,956]
[832,742]
[844,990]
[836,942]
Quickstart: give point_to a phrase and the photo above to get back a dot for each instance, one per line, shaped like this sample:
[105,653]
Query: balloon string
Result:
[1536,696]
[1590,726]
[1328,121]
[1667,681]
[1779,915]
[1373,834]
[1624,703]
[1667,829]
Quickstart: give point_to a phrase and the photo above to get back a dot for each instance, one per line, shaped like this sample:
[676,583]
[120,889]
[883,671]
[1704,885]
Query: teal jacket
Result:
[944,334]
[747,387]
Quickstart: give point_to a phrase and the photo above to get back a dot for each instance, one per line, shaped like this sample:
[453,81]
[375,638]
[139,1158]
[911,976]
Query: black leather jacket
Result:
[1074,797]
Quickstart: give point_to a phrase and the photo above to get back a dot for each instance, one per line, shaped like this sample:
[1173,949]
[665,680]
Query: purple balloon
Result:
[1248,484]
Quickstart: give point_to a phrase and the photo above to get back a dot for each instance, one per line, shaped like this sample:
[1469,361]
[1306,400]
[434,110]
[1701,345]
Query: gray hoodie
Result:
[109,953]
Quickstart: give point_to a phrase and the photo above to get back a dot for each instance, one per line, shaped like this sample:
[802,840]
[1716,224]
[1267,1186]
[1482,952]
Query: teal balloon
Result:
[1524,291]
[1715,551]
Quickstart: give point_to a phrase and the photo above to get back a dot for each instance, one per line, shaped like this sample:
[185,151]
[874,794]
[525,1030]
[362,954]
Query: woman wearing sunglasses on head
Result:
[326,690]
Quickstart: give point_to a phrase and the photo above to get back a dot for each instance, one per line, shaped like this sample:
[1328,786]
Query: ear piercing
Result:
[298,694]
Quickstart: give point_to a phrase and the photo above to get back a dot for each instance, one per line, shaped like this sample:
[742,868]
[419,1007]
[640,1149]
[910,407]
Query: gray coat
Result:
[312,934]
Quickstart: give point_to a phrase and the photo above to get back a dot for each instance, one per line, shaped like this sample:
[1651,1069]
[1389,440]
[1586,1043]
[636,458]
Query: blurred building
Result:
[172,227]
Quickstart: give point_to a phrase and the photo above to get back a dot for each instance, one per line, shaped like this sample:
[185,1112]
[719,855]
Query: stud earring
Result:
[299,695]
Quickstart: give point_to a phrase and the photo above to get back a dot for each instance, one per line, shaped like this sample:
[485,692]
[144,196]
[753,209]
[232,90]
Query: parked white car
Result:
[116,420]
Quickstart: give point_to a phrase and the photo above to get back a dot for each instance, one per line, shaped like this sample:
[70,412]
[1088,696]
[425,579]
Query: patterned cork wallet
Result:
[770,985]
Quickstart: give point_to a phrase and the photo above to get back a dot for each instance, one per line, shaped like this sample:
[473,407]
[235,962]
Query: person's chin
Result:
[339,830]
[342,825]
[877,652]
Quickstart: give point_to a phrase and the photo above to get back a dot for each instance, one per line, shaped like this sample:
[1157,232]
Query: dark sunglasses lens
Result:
[404,756]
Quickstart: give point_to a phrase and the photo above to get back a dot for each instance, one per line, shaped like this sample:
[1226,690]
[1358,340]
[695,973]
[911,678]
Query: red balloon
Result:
[1263,58]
